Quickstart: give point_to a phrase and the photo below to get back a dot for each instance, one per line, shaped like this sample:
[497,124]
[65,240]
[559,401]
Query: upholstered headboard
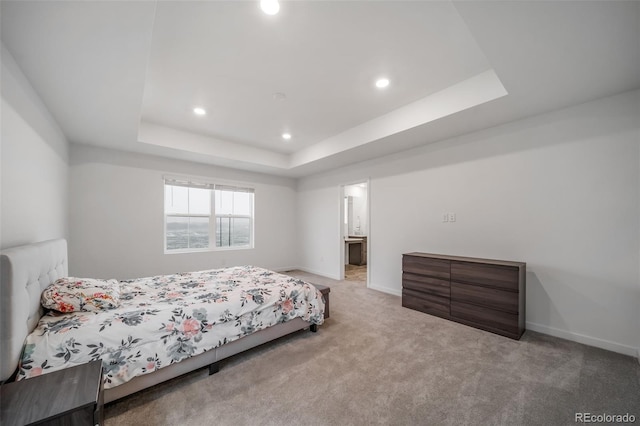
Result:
[24,272]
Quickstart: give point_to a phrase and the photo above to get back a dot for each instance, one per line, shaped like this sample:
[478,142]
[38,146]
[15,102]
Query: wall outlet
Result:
[445,217]
[452,217]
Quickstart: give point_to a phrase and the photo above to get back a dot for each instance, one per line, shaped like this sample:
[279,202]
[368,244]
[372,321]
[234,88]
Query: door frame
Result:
[367,182]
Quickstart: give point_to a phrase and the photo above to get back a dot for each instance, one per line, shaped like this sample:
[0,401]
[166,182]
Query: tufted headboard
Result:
[25,272]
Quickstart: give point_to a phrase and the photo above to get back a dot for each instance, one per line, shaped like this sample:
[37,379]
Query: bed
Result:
[158,303]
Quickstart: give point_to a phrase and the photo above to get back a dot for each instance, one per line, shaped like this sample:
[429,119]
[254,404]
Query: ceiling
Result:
[127,74]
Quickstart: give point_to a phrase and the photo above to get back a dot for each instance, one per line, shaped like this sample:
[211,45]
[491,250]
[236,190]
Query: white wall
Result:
[319,222]
[34,164]
[117,216]
[559,191]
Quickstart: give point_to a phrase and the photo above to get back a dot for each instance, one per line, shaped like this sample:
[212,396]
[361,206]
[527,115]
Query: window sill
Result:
[207,250]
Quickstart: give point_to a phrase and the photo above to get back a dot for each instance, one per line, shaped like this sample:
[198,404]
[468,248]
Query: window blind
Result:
[205,185]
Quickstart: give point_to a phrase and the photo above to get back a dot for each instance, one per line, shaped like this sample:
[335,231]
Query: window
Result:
[205,216]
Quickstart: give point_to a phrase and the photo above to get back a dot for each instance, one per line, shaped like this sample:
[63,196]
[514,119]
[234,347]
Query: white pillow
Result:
[72,294]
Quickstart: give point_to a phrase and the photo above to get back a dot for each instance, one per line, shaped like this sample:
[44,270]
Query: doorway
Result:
[355,233]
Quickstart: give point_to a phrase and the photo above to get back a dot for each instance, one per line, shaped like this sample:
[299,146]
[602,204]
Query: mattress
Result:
[165,319]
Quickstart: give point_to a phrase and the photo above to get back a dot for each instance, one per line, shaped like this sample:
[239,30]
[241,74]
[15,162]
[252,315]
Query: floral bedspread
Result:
[164,319]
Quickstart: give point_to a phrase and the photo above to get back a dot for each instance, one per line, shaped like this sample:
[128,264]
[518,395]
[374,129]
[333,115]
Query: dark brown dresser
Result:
[483,293]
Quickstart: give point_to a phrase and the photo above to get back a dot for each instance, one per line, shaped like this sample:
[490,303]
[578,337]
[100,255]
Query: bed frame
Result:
[26,271]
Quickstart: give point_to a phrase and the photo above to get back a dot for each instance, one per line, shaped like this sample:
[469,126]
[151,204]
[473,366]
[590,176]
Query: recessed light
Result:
[381,83]
[286,136]
[270,7]
[199,111]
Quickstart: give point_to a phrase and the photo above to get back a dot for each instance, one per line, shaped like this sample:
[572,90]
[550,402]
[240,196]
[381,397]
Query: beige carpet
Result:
[374,362]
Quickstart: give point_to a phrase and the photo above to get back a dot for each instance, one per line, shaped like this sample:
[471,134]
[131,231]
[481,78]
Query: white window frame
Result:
[213,216]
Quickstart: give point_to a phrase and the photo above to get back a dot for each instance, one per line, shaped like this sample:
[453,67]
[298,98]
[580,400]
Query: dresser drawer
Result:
[425,266]
[426,284]
[486,317]
[485,296]
[505,277]
[426,303]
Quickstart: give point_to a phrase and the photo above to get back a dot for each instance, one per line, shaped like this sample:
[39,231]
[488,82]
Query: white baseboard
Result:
[311,271]
[284,268]
[393,291]
[587,340]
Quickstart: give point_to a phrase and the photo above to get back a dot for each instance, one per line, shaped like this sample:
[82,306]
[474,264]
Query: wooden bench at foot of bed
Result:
[325,295]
